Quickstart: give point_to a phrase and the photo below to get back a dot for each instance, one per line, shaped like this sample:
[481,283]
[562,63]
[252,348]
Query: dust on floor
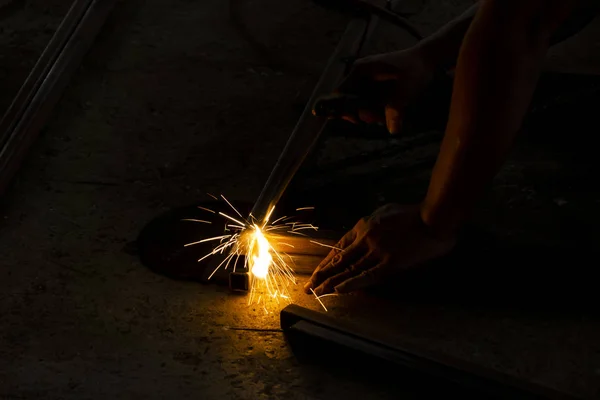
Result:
[175,100]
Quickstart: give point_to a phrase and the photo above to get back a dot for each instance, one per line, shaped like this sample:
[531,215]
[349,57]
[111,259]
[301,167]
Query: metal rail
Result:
[309,128]
[365,9]
[46,82]
[486,383]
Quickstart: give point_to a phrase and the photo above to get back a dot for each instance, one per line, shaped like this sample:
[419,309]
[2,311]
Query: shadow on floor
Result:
[495,273]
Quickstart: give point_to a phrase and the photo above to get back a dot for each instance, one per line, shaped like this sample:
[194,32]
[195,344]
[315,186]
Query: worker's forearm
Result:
[497,69]
[441,48]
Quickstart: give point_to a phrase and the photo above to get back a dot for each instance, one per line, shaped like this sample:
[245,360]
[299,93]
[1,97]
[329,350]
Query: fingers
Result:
[365,75]
[369,116]
[343,243]
[351,118]
[393,119]
[328,286]
[367,278]
[362,84]
[364,115]
[340,261]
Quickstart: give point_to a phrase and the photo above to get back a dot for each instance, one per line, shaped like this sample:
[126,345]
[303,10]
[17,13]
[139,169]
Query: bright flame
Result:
[261,254]
[270,267]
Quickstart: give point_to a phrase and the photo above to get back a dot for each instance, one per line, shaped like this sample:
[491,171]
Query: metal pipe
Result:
[361,8]
[308,128]
[41,68]
[46,82]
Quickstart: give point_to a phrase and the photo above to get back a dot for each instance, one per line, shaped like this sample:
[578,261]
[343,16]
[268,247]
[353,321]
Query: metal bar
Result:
[361,8]
[308,128]
[492,384]
[372,132]
[42,66]
[47,81]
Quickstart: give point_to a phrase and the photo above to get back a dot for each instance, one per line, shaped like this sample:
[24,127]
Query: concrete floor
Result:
[177,99]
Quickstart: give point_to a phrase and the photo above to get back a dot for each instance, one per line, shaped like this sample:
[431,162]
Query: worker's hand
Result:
[386,83]
[394,238]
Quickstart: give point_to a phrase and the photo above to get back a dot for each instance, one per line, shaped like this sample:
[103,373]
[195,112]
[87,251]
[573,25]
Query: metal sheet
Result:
[491,384]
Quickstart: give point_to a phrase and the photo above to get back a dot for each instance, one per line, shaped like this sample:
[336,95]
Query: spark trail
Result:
[271,272]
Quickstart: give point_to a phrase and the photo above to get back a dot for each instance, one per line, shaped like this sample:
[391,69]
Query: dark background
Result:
[180,98]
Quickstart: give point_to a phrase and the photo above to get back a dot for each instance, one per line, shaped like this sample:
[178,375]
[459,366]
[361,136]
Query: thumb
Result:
[393,118]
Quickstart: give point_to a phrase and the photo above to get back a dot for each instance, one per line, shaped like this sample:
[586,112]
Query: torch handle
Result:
[338,105]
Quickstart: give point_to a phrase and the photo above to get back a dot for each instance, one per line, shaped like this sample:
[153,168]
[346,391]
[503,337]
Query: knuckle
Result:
[337,258]
[340,245]
[363,222]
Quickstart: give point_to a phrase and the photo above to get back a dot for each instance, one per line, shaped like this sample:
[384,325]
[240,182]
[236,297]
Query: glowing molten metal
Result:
[243,237]
[261,254]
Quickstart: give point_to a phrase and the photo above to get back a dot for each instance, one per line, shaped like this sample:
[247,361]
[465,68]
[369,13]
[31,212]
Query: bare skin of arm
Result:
[442,47]
[406,73]
[496,72]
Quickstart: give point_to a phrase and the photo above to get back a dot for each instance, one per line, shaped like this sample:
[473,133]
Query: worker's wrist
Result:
[441,224]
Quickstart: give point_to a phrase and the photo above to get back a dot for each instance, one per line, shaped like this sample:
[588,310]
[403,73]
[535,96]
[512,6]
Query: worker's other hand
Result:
[386,83]
[393,239]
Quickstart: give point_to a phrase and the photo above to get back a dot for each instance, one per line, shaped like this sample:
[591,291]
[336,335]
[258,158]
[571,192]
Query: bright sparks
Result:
[255,243]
